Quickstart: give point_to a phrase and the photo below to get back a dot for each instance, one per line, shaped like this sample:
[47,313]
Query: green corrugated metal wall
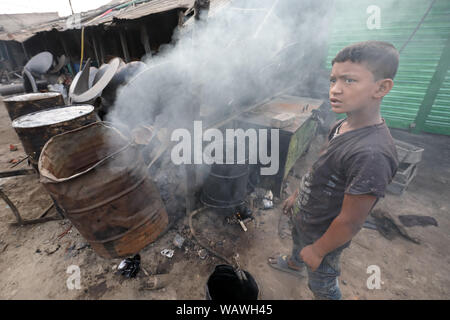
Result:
[438,121]
[418,60]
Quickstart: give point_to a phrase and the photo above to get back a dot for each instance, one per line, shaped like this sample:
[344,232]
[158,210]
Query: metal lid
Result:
[40,63]
[52,116]
[32,96]
[98,86]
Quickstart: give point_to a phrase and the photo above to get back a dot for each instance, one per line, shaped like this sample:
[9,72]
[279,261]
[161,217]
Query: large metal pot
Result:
[32,102]
[226,185]
[36,128]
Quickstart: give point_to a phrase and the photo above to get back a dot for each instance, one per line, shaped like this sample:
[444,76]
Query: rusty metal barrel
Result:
[28,103]
[99,179]
[35,129]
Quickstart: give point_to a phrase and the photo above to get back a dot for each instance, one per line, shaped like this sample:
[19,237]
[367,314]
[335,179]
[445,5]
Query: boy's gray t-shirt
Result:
[361,161]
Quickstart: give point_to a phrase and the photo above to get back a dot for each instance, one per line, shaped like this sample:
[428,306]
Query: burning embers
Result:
[241,215]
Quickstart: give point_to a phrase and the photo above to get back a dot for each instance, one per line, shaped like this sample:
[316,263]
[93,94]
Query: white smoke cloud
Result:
[247,52]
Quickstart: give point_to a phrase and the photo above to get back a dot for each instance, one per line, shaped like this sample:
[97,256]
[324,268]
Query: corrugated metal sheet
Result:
[418,60]
[12,23]
[140,10]
[131,12]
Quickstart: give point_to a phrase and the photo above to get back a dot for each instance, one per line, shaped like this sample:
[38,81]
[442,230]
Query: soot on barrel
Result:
[226,185]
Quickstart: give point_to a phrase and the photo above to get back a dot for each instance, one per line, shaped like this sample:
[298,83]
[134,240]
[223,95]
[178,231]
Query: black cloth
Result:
[361,161]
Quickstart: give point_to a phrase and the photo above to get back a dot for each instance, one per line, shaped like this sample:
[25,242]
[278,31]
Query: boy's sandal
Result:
[281,263]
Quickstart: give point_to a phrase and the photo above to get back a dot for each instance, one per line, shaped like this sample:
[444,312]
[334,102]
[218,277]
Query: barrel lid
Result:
[40,63]
[32,96]
[51,116]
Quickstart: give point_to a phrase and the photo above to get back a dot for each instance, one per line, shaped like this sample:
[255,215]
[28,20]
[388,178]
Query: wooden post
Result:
[66,52]
[102,49]
[123,41]
[27,57]
[44,36]
[10,56]
[6,49]
[94,41]
[89,46]
[145,41]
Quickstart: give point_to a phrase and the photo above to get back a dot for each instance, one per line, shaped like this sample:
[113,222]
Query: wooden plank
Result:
[145,41]
[14,173]
[123,42]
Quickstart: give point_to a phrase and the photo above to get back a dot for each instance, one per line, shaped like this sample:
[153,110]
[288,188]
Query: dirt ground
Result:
[34,259]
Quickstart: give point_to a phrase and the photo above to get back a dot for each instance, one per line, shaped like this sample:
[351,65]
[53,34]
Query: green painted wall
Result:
[417,79]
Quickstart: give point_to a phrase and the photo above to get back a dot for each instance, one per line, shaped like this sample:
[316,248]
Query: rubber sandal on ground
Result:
[280,263]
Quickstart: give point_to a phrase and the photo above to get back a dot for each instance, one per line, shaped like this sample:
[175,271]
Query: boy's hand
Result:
[311,257]
[344,227]
[289,202]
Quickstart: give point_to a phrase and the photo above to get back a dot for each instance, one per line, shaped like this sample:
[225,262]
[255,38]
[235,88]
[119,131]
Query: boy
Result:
[352,172]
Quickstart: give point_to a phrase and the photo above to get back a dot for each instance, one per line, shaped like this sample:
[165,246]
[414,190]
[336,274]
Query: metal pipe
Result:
[6,90]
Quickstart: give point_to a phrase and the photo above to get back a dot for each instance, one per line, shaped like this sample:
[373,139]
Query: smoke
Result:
[247,52]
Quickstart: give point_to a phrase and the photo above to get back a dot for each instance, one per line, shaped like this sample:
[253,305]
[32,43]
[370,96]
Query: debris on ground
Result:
[268,200]
[387,226]
[414,220]
[68,230]
[145,271]
[178,241]
[82,245]
[130,266]
[268,204]
[3,246]
[167,253]
[73,250]
[156,282]
[264,198]
[244,212]
[12,147]
[52,248]
[202,253]
[261,198]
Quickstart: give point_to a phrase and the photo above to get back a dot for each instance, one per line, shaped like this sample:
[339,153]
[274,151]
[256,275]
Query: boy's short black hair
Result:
[380,57]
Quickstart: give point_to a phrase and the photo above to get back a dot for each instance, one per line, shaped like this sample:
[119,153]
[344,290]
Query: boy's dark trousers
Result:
[324,281]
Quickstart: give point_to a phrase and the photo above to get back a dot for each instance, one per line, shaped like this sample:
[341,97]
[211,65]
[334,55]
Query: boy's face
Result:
[352,87]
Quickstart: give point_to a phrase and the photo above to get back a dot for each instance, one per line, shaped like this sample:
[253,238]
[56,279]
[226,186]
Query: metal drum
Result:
[36,128]
[32,102]
[226,185]
[224,284]
[99,179]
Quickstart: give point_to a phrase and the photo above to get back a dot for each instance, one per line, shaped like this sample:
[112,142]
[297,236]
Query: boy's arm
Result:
[344,227]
